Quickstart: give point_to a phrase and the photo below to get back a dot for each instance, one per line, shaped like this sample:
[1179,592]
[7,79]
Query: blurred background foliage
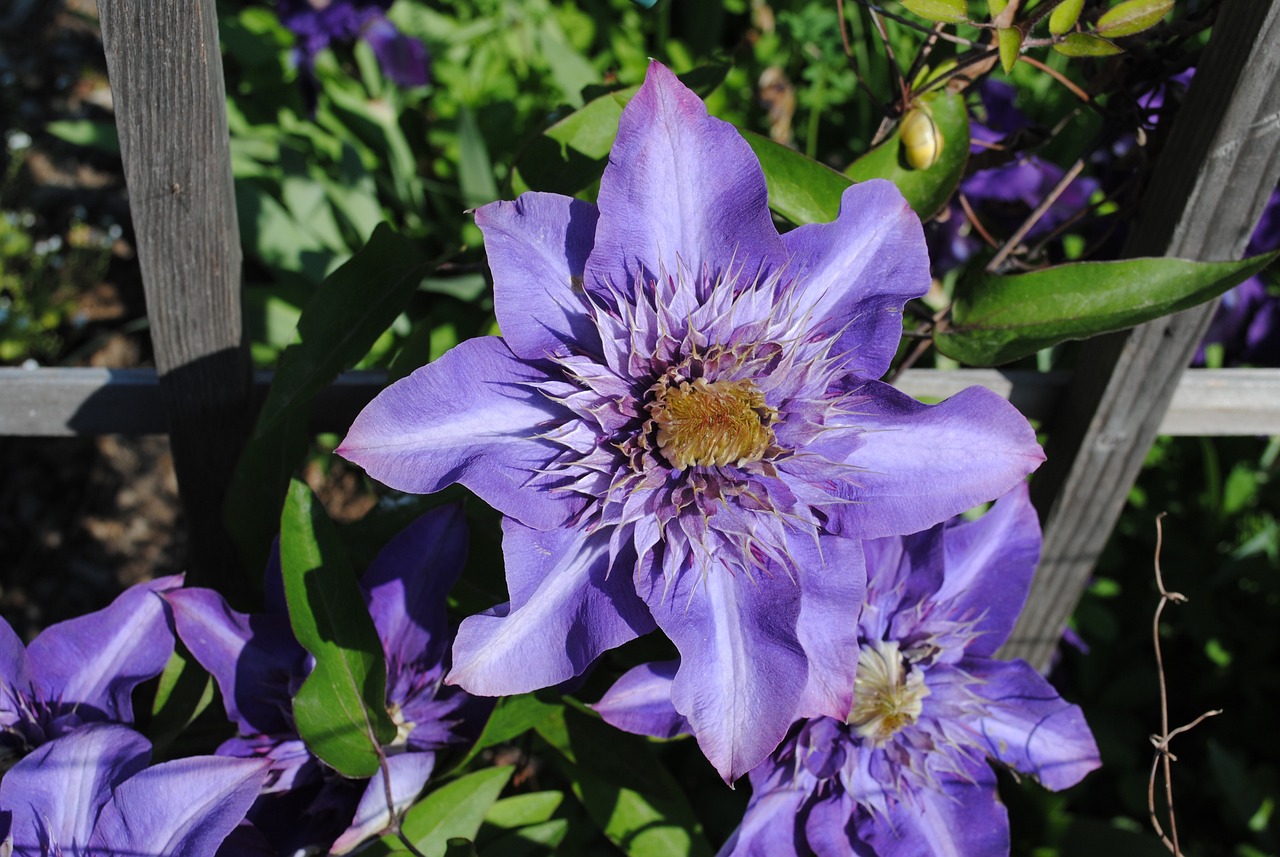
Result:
[326,148]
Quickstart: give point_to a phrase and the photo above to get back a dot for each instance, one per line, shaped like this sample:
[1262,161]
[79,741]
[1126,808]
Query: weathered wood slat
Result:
[165,70]
[1207,191]
[63,402]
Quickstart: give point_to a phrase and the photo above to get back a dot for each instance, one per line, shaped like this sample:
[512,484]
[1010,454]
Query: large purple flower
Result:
[259,665]
[906,772]
[91,794]
[317,23]
[682,425]
[81,671]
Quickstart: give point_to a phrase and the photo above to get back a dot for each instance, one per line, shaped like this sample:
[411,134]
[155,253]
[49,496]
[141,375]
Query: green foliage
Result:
[452,812]
[340,710]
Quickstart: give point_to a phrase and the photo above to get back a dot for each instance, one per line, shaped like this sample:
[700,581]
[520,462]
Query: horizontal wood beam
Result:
[63,402]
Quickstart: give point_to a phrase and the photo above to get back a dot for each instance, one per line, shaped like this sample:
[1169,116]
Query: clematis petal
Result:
[57,791]
[537,248]
[251,657]
[407,585]
[1029,727]
[469,417]
[561,590]
[679,183]
[989,564]
[921,464]
[15,672]
[96,660]
[832,585]
[958,819]
[404,59]
[856,273]
[769,827]
[742,670]
[187,806]
[409,773]
[829,823]
[640,702]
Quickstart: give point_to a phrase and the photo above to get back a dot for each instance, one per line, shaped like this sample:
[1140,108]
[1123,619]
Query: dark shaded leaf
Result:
[800,189]
[1086,45]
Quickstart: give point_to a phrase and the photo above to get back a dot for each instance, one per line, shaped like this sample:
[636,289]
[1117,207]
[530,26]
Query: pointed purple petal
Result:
[742,669]
[60,788]
[989,564]
[1029,727]
[187,806]
[15,672]
[922,464]
[959,819]
[409,773]
[681,184]
[640,702]
[828,824]
[768,828]
[252,658]
[856,273]
[565,609]
[469,417]
[537,248]
[98,659]
[407,585]
[833,585]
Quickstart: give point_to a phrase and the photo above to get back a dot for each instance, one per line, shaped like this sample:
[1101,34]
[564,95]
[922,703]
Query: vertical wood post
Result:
[166,80]
[1218,168]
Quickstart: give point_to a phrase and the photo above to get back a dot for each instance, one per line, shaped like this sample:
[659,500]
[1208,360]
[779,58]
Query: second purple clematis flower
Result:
[258,666]
[906,772]
[83,670]
[317,23]
[683,428]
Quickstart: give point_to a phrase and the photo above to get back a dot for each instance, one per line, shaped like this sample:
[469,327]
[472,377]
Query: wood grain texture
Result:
[1207,191]
[166,78]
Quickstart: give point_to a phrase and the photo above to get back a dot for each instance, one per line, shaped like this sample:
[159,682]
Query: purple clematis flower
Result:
[906,772]
[683,428]
[91,794]
[259,665]
[317,23]
[83,670]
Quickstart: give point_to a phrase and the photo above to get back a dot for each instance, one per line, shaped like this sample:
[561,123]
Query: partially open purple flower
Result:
[259,665]
[317,23]
[81,671]
[91,794]
[683,427]
[906,772]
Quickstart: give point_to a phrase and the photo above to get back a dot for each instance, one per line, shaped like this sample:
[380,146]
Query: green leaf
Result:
[340,710]
[800,189]
[1010,40]
[511,718]
[947,11]
[995,7]
[1132,16]
[523,810]
[534,840]
[1064,16]
[475,172]
[87,133]
[453,811]
[1085,45]
[996,319]
[927,190]
[626,791]
[184,692]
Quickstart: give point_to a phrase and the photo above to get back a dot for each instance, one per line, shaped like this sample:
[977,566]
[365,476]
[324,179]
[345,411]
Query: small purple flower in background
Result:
[683,428]
[83,670]
[1002,197]
[91,794]
[317,23]
[907,771]
[258,665]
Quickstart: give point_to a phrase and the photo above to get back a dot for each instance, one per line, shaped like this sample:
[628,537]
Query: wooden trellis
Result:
[1207,192]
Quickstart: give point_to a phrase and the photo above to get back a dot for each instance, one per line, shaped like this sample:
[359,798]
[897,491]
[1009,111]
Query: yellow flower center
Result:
[886,696]
[711,422]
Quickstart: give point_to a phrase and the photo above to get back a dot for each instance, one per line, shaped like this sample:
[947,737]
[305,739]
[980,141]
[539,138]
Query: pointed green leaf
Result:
[1064,16]
[1132,16]
[800,189]
[340,710]
[1085,45]
[1010,44]
[184,692]
[996,319]
[475,172]
[523,810]
[947,11]
[926,190]
[535,840]
[453,811]
[511,718]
